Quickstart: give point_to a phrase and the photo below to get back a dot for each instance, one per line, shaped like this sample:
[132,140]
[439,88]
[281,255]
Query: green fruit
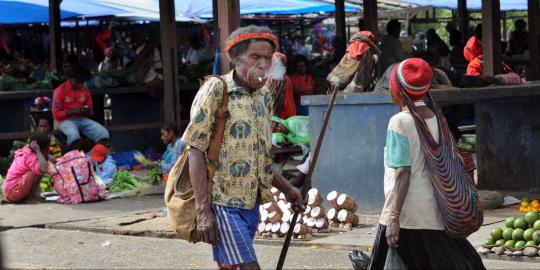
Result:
[536,236]
[497,233]
[517,234]
[530,244]
[520,244]
[499,242]
[507,234]
[536,225]
[489,242]
[527,235]
[509,222]
[532,217]
[510,244]
[520,223]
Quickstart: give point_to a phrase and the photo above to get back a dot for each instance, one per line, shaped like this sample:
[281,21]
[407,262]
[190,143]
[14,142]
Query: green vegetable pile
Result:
[153,176]
[467,142]
[123,181]
[46,183]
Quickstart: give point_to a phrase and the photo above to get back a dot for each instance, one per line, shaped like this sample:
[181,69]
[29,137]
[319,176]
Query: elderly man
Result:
[228,217]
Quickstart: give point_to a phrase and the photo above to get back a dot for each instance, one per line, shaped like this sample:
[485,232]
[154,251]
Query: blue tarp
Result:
[37,11]
[12,12]
[203,8]
[472,4]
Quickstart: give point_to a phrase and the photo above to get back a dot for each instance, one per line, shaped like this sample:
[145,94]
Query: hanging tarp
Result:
[471,4]
[37,11]
[14,12]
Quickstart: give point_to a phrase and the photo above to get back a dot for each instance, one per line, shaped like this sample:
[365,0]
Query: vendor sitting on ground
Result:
[104,164]
[73,107]
[29,164]
[44,126]
[170,135]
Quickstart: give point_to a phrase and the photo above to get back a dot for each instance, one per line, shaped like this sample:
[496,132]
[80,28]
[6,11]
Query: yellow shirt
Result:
[54,148]
[244,173]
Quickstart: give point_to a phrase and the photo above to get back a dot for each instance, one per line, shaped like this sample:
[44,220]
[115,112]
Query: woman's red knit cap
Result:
[414,77]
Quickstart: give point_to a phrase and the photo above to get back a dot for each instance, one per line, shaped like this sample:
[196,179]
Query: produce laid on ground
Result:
[467,142]
[153,176]
[528,205]
[124,181]
[276,216]
[519,237]
[46,183]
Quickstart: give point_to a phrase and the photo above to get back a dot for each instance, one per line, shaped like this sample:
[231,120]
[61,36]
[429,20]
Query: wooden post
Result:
[534,39]
[463,19]
[371,19]
[55,35]
[228,21]
[491,36]
[340,21]
[167,23]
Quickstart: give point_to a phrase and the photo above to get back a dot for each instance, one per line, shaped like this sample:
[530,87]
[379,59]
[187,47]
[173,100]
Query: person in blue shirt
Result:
[170,135]
[104,165]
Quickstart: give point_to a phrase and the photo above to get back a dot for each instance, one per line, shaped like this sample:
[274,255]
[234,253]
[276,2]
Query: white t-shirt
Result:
[403,149]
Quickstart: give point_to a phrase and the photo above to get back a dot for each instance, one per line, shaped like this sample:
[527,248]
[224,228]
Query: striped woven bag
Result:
[455,191]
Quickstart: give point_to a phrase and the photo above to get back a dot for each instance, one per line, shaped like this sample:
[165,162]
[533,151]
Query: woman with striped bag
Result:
[431,202]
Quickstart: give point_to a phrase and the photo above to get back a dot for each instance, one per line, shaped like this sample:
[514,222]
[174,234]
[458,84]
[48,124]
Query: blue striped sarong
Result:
[237,229]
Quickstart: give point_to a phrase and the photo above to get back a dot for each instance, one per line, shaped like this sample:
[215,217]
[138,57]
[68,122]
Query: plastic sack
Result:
[298,127]
[278,139]
[359,259]
[393,261]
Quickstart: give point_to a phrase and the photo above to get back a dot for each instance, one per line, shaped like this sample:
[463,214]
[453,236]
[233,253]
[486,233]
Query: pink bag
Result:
[73,178]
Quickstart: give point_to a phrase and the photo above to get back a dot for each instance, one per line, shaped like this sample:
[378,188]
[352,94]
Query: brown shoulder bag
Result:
[179,196]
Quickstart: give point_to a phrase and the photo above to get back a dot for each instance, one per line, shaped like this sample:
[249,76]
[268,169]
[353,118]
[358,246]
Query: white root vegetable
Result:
[345,201]
[261,228]
[321,223]
[332,198]
[274,217]
[301,229]
[346,216]
[332,214]
[317,212]
[314,197]
[284,228]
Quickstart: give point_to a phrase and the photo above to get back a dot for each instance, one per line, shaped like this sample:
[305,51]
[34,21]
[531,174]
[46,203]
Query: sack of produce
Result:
[298,127]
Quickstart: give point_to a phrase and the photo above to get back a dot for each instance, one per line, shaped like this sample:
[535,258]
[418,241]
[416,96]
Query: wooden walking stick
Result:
[306,185]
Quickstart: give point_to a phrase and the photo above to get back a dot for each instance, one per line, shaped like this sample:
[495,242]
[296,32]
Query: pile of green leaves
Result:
[153,176]
[123,181]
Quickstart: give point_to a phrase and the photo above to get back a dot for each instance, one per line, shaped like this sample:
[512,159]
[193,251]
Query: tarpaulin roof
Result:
[472,4]
[37,11]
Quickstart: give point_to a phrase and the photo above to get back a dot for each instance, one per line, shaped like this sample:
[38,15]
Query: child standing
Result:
[103,163]
[29,164]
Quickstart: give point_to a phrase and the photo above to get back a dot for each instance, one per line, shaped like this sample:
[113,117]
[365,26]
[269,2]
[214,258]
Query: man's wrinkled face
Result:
[253,66]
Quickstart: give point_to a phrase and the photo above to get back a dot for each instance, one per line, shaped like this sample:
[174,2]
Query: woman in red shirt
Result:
[302,81]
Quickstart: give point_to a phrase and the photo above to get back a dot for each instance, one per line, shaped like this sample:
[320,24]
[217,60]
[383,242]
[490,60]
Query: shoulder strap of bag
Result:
[221,116]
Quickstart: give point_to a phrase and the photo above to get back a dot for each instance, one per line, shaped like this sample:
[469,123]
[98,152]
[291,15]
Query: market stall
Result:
[507,139]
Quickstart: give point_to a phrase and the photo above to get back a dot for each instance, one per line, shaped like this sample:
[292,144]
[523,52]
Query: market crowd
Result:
[269,77]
